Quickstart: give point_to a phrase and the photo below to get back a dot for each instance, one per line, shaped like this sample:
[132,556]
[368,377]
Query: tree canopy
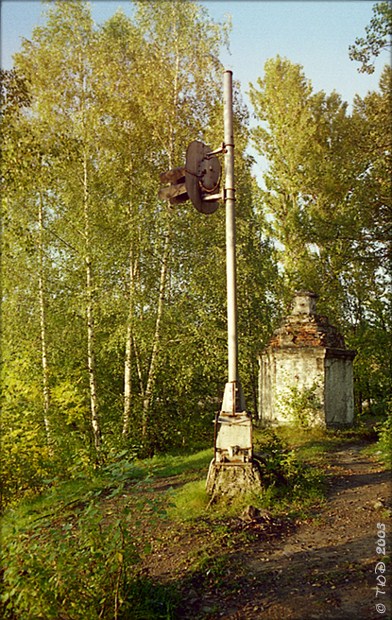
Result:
[114,330]
[113,302]
[378,38]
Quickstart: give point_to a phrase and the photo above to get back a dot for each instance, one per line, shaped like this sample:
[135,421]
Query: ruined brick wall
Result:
[286,373]
[307,331]
[306,355]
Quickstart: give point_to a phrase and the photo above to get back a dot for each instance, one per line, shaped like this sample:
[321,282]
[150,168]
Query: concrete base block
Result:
[228,480]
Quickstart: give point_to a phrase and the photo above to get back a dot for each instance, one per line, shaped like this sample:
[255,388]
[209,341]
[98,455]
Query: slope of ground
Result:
[323,567]
[320,556]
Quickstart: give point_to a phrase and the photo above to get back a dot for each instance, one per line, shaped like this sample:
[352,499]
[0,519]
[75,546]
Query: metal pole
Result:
[233,425]
[230,229]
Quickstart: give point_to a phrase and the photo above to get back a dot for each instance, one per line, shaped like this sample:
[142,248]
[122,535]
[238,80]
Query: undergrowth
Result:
[290,485]
[75,551]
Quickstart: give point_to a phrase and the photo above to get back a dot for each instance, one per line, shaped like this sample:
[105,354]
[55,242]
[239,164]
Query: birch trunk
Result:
[43,331]
[91,365]
[151,377]
[128,349]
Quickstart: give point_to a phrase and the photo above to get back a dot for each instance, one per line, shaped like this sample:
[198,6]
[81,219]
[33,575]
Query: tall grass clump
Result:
[74,553]
[289,483]
[385,438]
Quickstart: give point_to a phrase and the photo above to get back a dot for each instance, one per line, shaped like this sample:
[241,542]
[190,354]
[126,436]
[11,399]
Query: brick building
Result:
[306,372]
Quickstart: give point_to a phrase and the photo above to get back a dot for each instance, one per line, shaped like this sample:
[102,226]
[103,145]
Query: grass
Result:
[302,490]
[299,499]
[189,502]
[166,466]
[292,488]
[60,493]
[313,444]
[382,453]
[120,489]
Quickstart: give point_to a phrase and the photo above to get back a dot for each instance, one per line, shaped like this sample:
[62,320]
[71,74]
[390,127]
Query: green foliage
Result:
[289,483]
[114,328]
[80,567]
[113,304]
[24,452]
[385,437]
[176,464]
[75,553]
[328,195]
[378,38]
[302,406]
[150,600]
[114,334]
[284,474]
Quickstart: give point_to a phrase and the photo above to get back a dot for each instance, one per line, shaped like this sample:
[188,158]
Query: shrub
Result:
[302,406]
[79,562]
[385,437]
[281,468]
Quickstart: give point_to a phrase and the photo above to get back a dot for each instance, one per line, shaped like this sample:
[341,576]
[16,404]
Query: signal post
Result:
[232,470]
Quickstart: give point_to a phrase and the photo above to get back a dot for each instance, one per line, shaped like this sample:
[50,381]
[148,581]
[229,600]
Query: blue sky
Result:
[315,34]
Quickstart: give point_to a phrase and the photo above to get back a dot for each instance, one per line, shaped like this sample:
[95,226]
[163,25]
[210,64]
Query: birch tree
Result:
[25,344]
[57,67]
[180,82]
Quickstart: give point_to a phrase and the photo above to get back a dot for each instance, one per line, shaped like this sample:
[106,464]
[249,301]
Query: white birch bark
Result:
[43,331]
[128,349]
[91,365]
[151,377]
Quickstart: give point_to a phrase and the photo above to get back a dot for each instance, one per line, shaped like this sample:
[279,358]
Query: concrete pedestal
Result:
[228,480]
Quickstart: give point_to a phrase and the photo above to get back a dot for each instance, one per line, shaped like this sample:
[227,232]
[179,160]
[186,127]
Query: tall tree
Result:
[57,66]
[180,84]
[327,191]
[378,38]
[25,373]
[116,328]
[283,101]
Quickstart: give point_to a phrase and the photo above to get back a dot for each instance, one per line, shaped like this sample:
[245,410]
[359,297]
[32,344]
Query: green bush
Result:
[74,556]
[282,470]
[302,406]
[385,437]
[77,568]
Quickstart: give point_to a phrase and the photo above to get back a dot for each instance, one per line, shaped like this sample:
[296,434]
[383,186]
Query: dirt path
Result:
[323,568]
[326,568]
